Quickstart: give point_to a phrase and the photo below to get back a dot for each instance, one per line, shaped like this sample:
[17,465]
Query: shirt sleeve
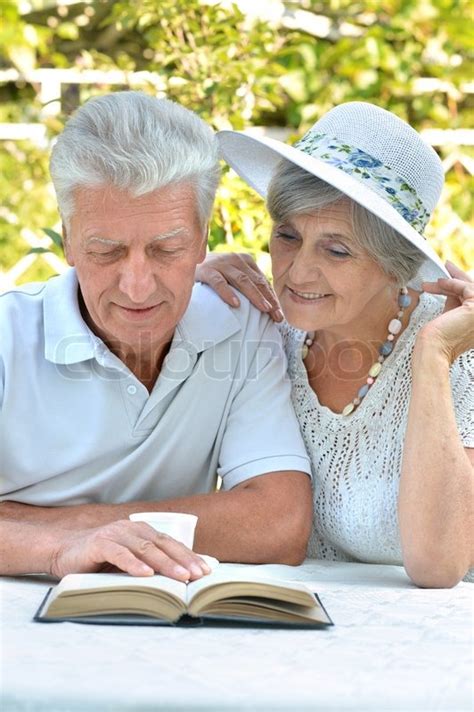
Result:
[4,340]
[262,433]
[462,386]
[2,381]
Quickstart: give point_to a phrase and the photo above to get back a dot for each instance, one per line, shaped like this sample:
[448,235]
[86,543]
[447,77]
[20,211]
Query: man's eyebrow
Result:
[172,233]
[163,236]
[104,241]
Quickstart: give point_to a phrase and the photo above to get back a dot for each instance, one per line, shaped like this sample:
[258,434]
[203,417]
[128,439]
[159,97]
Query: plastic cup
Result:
[176,524]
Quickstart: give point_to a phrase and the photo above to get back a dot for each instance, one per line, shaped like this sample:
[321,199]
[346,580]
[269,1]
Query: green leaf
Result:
[37,251]
[55,236]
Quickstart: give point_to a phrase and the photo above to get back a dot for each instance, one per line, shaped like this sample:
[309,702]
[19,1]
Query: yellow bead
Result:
[304,351]
[375,369]
[348,409]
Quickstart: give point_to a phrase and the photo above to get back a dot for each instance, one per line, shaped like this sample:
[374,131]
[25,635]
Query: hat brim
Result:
[254,159]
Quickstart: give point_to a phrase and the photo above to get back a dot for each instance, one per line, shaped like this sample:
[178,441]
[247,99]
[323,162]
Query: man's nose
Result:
[137,279]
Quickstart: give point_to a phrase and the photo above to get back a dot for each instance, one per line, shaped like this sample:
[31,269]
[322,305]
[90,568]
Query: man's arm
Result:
[265,519]
[133,547]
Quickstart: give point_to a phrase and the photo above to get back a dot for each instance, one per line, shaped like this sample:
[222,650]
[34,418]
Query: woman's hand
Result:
[223,270]
[453,330]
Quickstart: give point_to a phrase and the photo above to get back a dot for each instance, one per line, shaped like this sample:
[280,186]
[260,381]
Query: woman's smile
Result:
[306,298]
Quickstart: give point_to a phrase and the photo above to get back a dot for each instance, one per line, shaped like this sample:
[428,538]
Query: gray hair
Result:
[135,142]
[293,190]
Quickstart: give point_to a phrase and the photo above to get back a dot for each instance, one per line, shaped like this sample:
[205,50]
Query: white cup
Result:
[176,524]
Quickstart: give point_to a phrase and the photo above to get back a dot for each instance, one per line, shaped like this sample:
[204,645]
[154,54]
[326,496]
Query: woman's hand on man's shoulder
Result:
[223,270]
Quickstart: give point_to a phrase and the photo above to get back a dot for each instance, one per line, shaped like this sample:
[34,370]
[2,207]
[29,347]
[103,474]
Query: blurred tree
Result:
[276,64]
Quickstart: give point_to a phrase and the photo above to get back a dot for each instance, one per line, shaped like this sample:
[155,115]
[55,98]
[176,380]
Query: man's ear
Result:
[67,247]
[203,248]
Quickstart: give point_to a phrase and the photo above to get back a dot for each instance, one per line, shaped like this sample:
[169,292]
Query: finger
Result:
[250,287]
[142,558]
[151,552]
[215,280]
[114,554]
[452,301]
[246,261]
[222,288]
[277,315]
[178,552]
[250,267]
[142,541]
[455,287]
[456,271]
[267,291]
[433,288]
[240,271]
[171,548]
[237,268]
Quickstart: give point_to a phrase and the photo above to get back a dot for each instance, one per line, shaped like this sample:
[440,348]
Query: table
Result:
[393,647]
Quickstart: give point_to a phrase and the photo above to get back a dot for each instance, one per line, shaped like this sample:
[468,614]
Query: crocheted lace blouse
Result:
[356,460]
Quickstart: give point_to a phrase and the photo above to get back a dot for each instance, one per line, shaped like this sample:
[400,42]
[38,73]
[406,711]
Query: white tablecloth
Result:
[393,647]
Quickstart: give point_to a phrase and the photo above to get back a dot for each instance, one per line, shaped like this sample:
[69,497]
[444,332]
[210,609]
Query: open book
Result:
[230,593]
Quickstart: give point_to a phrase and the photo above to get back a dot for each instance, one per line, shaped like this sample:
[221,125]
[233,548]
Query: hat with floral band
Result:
[367,153]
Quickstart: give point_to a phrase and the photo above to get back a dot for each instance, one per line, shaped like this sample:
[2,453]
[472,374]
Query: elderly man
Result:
[123,388]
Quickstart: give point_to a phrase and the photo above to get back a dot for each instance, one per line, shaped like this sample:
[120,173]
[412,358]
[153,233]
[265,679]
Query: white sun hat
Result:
[367,153]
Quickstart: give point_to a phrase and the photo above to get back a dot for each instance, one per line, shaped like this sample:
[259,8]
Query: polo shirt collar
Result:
[67,337]
[206,322]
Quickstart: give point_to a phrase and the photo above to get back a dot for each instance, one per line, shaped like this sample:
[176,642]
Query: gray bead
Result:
[404,300]
[386,348]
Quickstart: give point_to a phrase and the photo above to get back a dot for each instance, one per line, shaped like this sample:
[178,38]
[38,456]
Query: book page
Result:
[229,573]
[72,584]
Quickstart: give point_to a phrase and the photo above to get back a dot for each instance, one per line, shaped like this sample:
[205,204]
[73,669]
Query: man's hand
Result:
[133,547]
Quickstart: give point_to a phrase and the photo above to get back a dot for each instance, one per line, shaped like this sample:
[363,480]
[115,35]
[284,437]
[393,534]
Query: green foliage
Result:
[28,200]
[236,70]
[55,236]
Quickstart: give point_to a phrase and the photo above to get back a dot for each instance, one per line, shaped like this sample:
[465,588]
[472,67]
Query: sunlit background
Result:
[269,66]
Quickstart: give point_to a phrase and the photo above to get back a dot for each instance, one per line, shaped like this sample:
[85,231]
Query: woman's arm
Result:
[436,499]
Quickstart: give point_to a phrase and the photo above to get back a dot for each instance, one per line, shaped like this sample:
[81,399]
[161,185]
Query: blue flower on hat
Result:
[363,160]
[409,215]
[379,177]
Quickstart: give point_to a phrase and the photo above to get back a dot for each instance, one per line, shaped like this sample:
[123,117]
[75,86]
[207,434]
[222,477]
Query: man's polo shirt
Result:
[77,426]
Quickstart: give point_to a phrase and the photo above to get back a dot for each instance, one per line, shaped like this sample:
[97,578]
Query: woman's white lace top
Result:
[356,460]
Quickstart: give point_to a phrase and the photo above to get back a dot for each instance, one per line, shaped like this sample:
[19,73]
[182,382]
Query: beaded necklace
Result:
[394,328]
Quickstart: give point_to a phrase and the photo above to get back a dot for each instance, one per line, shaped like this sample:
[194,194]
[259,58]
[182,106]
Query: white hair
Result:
[135,142]
[293,191]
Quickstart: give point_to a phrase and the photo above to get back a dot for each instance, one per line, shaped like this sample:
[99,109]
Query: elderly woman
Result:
[382,372]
